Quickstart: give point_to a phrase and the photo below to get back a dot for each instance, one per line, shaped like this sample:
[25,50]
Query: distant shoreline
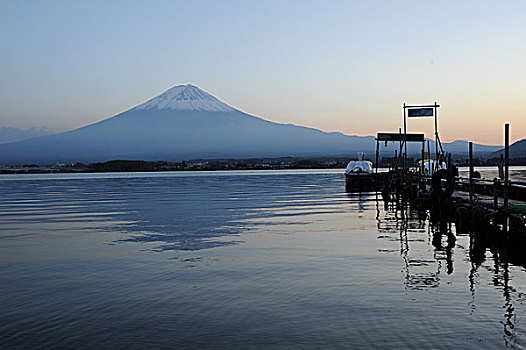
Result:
[50,170]
[287,163]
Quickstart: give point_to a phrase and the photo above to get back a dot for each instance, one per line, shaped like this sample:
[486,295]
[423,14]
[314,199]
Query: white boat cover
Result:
[359,166]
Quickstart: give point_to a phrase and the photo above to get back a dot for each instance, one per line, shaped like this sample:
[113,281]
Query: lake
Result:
[240,260]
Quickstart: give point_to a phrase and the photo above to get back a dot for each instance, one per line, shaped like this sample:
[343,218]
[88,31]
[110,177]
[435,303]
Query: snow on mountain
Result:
[185,98]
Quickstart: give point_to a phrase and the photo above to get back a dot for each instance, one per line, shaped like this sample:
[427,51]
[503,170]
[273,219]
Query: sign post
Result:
[422,111]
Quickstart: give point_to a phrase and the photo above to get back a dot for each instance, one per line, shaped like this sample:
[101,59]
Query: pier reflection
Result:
[410,228]
[428,249]
[503,253]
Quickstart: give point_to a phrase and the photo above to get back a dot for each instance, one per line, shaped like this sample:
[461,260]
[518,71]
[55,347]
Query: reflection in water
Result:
[396,222]
[439,231]
[235,205]
[502,250]
[237,261]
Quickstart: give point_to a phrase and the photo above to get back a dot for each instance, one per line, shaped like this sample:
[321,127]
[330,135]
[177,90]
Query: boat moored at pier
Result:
[359,175]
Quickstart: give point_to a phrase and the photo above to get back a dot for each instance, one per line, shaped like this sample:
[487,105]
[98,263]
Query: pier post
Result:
[431,170]
[495,193]
[506,172]
[506,162]
[470,172]
[501,167]
[436,131]
[377,154]
[422,171]
[401,155]
[405,139]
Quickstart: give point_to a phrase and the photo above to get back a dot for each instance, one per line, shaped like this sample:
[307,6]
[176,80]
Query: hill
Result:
[517,150]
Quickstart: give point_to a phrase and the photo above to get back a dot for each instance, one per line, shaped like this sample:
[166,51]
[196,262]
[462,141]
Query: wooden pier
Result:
[491,210]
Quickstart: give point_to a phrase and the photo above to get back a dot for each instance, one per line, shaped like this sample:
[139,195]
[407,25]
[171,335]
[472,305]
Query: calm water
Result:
[240,260]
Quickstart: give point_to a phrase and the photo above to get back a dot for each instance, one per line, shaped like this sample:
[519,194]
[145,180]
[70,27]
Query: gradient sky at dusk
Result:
[335,65]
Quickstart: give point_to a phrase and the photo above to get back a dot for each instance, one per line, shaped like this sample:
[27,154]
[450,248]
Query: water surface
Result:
[257,259]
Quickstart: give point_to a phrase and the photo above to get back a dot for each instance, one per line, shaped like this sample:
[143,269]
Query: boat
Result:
[359,176]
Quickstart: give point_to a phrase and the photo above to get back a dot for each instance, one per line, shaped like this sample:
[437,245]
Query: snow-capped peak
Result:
[185,97]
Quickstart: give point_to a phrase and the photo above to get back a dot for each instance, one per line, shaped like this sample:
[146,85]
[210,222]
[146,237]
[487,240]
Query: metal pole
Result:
[506,162]
[470,172]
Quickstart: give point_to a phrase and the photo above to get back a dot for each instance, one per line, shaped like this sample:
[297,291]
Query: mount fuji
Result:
[183,122]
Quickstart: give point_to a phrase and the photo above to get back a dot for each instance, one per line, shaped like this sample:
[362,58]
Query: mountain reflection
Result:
[203,212]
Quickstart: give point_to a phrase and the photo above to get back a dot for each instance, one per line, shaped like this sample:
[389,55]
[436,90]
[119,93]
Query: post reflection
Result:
[504,252]
[421,271]
[396,223]
[444,249]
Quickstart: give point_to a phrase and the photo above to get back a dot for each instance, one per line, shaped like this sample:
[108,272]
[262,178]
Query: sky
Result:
[344,66]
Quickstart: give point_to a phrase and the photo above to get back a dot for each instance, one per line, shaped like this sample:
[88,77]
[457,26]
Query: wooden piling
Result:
[401,154]
[422,168]
[405,141]
[429,158]
[377,155]
[506,162]
[471,172]
[501,167]
[436,131]
[495,193]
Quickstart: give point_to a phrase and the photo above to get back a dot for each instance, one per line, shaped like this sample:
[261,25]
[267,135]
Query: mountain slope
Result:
[462,147]
[184,122]
[517,150]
